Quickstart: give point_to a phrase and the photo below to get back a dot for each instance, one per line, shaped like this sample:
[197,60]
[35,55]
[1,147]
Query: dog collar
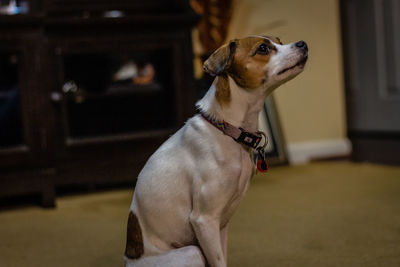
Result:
[238,134]
[241,136]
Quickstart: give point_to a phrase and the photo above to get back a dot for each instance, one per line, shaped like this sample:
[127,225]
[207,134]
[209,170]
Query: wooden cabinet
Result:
[69,119]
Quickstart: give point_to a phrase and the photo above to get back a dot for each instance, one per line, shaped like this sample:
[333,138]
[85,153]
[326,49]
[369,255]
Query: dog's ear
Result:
[220,60]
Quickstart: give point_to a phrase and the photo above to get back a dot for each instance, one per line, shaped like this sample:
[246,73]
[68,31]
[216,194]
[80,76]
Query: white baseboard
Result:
[303,152]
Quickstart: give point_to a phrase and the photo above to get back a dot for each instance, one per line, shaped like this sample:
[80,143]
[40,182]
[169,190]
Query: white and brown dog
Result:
[192,185]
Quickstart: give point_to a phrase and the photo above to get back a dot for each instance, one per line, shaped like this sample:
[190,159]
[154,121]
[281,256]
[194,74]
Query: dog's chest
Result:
[239,188]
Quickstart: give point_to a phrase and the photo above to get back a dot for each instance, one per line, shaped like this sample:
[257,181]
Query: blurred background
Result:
[90,88]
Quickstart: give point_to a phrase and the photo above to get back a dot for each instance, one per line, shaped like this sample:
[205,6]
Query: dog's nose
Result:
[302,45]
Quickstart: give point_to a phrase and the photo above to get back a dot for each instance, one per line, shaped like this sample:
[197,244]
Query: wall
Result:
[311,107]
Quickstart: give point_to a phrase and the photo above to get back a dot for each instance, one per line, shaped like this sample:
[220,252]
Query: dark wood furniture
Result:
[105,134]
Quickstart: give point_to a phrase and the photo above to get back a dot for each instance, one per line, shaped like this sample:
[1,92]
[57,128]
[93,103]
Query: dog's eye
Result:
[263,49]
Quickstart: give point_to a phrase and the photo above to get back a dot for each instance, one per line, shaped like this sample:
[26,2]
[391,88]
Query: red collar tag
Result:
[262,165]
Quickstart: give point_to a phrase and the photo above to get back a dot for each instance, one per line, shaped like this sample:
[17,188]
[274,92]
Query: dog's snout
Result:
[302,45]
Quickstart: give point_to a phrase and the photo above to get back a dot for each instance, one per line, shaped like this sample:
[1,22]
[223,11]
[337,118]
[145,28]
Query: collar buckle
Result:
[249,139]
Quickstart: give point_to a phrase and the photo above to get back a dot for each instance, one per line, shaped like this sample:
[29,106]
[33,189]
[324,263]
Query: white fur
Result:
[191,186]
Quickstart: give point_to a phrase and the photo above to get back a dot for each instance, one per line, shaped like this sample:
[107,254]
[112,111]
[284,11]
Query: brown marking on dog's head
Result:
[222,90]
[277,40]
[273,39]
[218,64]
[255,62]
[242,59]
[249,66]
[221,59]
[134,239]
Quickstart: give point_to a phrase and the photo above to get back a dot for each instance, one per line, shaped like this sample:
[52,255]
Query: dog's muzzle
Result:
[302,45]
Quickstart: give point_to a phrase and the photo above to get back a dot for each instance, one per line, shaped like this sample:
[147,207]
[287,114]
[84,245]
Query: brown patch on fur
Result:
[274,39]
[222,90]
[248,68]
[220,60]
[239,59]
[134,239]
[278,41]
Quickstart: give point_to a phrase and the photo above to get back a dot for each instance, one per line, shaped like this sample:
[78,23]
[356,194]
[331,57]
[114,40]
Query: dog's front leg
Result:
[208,234]
[224,242]
[208,205]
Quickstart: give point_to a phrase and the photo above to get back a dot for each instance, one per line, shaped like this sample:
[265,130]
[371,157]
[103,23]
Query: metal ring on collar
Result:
[265,140]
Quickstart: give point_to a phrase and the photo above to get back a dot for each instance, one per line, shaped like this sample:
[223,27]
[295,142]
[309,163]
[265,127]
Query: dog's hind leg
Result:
[190,256]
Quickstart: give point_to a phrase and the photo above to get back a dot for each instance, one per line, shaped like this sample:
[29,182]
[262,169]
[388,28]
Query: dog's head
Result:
[258,61]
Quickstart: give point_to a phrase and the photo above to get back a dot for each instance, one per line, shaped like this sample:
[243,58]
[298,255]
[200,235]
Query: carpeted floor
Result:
[321,214]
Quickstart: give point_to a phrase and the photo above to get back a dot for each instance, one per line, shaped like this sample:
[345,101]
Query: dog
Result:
[191,186]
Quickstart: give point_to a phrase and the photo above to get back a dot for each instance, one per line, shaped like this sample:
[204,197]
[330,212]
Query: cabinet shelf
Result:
[120,137]
[25,20]
[126,90]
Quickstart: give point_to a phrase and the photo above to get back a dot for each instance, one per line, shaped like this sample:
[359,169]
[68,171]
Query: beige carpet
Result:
[322,214]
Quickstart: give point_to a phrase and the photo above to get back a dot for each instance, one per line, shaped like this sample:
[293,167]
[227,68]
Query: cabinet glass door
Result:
[10,110]
[110,93]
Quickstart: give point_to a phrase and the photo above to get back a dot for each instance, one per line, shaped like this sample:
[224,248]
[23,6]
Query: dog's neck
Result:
[242,108]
